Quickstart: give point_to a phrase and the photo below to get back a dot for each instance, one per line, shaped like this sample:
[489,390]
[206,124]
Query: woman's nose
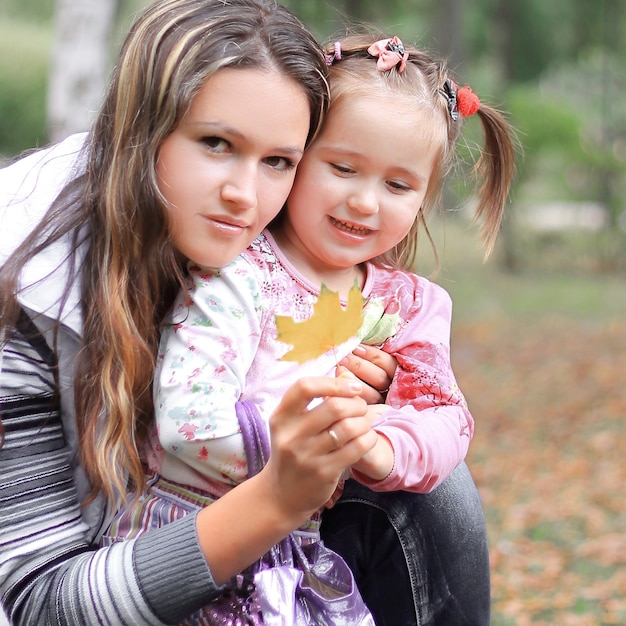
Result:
[240,188]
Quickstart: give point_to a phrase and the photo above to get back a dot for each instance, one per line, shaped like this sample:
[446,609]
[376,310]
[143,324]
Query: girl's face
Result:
[228,167]
[361,183]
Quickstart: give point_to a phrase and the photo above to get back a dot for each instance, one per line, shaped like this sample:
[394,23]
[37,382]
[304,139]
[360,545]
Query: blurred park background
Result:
[539,334]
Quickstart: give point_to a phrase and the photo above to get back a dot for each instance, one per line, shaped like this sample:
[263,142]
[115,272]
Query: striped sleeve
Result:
[49,573]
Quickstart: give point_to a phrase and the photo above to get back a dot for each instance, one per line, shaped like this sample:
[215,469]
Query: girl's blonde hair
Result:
[115,214]
[353,74]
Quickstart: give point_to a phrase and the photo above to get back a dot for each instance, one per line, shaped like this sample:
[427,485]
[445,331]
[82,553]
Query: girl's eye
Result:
[342,169]
[216,144]
[281,164]
[397,186]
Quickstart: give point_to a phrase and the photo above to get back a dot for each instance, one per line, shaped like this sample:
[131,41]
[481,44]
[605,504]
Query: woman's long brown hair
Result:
[115,218]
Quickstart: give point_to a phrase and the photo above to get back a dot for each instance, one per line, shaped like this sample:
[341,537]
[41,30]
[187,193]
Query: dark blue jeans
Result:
[419,559]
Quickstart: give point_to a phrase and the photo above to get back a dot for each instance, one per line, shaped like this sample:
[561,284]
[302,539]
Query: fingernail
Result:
[360,350]
[356,386]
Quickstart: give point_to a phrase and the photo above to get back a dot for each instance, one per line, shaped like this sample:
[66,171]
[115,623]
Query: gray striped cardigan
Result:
[51,571]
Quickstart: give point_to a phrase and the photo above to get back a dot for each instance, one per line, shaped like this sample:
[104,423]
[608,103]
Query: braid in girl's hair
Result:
[358,64]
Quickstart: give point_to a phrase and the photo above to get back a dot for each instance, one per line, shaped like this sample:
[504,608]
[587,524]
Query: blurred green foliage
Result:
[33,11]
[480,290]
[24,53]
[558,68]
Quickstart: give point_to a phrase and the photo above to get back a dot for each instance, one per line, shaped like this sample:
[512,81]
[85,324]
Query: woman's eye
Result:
[280,163]
[216,144]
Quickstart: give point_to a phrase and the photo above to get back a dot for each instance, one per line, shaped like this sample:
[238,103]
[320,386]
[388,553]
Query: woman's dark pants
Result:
[419,559]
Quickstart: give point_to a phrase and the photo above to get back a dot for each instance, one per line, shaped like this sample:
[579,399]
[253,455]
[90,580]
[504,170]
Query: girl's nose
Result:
[364,200]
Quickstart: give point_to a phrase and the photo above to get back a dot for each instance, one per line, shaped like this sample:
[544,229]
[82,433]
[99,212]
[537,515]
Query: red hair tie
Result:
[461,101]
[467,101]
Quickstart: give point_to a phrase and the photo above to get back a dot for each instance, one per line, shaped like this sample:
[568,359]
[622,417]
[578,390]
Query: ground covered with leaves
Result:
[549,458]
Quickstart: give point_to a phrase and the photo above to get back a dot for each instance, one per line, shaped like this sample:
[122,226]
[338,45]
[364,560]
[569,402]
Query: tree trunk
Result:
[449,33]
[80,64]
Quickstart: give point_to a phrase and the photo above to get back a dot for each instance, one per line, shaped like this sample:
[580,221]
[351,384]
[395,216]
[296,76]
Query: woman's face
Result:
[227,169]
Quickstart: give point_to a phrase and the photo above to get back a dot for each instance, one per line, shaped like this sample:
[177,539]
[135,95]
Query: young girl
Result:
[363,189]
[379,85]
[193,152]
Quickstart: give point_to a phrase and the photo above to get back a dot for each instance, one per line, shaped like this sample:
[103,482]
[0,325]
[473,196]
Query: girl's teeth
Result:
[350,229]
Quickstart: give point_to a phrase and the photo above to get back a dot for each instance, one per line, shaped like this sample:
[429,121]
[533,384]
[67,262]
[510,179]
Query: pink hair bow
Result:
[390,52]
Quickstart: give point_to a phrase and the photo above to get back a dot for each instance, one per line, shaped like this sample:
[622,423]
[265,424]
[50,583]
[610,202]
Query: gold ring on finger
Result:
[333,435]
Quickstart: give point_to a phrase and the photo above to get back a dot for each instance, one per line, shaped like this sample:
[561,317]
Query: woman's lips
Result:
[225,225]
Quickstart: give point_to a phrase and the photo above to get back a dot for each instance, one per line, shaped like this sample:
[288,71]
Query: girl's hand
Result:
[374,411]
[306,460]
[374,367]
[378,462]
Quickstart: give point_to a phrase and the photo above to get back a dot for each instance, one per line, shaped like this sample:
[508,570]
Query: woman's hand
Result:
[305,465]
[374,367]
[311,447]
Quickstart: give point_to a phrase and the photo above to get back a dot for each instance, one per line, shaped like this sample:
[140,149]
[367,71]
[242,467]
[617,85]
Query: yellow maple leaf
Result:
[328,327]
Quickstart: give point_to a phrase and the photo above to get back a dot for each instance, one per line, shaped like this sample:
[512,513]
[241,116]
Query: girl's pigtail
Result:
[495,168]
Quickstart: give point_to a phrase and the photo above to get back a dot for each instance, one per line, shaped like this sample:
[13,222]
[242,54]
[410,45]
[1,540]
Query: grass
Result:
[540,358]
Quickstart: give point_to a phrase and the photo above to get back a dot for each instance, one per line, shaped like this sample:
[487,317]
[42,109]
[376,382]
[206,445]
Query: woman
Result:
[94,276]
[229,93]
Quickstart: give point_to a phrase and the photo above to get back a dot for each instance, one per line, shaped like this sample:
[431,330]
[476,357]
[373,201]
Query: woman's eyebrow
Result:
[212,127]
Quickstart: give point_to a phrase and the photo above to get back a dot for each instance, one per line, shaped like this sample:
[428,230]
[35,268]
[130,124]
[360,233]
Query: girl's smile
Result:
[351,229]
